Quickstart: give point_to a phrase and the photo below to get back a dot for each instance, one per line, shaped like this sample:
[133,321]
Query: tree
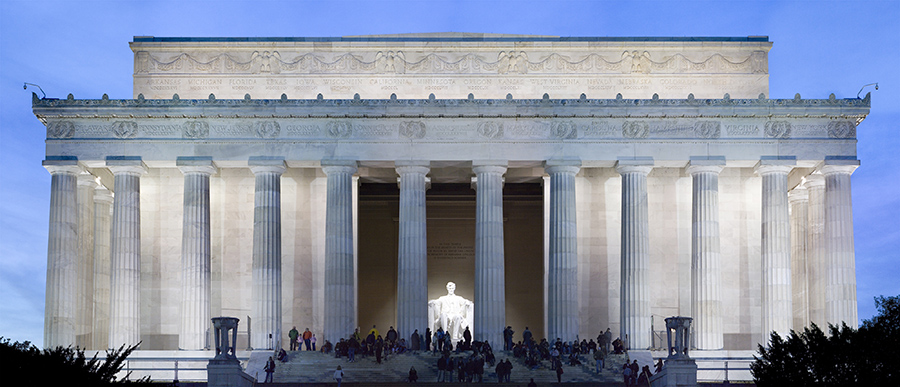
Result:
[25,364]
[845,357]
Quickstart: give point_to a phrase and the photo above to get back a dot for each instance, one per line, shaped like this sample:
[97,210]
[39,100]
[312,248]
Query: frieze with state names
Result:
[441,129]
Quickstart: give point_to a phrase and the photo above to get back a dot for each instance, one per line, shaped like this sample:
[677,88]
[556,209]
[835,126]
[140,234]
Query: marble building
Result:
[565,184]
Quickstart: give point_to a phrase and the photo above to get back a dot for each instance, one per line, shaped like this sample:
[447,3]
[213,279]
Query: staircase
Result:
[316,368]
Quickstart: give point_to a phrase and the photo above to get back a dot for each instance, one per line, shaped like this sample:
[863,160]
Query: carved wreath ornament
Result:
[564,130]
[708,129]
[841,129]
[61,129]
[412,129]
[778,129]
[267,129]
[124,129]
[195,129]
[338,129]
[635,129]
[490,129]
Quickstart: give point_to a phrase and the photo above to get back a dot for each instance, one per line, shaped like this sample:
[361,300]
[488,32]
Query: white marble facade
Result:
[725,135]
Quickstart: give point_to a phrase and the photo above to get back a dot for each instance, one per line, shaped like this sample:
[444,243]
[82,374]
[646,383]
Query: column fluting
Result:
[815,248]
[775,250]
[412,255]
[840,258]
[103,201]
[490,285]
[799,199]
[706,294]
[339,266]
[195,255]
[265,332]
[125,254]
[62,254]
[635,270]
[85,296]
[562,287]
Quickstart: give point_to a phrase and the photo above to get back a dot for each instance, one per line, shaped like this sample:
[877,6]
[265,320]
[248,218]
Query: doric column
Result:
[775,248]
[195,253]
[265,332]
[103,201]
[339,267]
[62,254]
[125,252]
[635,271]
[490,285]
[706,295]
[562,290]
[799,199]
[840,258]
[815,249]
[85,296]
[412,256]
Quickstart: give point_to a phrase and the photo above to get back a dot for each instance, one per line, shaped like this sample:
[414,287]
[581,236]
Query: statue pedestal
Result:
[227,373]
[677,372]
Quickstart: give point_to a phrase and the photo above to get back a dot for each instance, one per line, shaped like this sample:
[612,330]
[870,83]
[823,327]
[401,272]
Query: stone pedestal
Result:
[490,289]
[562,277]
[412,256]
[679,369]
[225,370]
[125,252]
[635,287]
[339,265]
[62,254]
[265,333]
[775,248]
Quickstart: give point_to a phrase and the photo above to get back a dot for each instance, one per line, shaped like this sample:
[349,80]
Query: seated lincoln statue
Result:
[452,313]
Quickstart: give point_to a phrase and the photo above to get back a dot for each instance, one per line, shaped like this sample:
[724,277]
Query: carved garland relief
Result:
[397,62]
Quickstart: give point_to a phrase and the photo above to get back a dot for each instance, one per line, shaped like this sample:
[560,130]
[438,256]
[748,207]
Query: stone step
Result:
[313,367]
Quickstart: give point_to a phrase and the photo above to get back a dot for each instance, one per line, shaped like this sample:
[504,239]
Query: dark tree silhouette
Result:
[845,357]
[25,364]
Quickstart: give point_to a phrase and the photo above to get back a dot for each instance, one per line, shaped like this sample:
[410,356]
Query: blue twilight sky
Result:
[81,47]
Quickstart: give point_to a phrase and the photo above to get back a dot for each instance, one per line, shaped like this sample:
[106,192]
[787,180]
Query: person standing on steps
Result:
[306,336]
[312,340]
[559,371]
[338,375]
[270,370]
[294,334]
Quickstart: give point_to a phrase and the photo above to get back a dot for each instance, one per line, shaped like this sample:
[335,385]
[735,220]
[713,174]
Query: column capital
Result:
[266,165]
[203,165]
[102,195]
[131,165]
[339,166]
[562,166]
[705,165]
[489,166]
[814,180]
[798,195]
[642,165]
[62,165]
[412,166]
[775,164]
[838,166]
[86,179]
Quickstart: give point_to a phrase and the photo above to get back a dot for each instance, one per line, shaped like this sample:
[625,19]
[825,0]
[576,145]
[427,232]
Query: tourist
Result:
[413,375]
[312,340]
[414,342]
[352,347]
[379,347]
[559,371]
[428,339]
[467,338]
[532,383]
[370,343]
[306,336]
[626,374]
[644,377]
[527,337]
[374,331]
[293,335]
[338,375]
[392,336]
[450,368]
[501,371]
[509,368]
[282,355]
[508,338]
[270,370]
[442,368]
[599,359]
[659,365]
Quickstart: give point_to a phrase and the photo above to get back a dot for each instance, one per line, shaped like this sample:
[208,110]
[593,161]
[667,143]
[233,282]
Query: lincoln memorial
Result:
[567,184]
